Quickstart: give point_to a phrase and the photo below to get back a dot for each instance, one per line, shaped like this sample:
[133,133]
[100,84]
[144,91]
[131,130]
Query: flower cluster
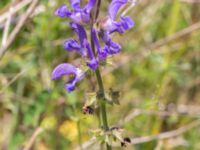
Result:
[80,18]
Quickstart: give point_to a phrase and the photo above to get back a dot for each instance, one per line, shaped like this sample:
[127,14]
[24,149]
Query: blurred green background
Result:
[157,74]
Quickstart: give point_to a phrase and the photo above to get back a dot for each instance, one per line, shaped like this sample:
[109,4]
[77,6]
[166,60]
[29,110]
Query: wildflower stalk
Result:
[101,94]
[79,134]
[100,31]
[102,97]
[102,103]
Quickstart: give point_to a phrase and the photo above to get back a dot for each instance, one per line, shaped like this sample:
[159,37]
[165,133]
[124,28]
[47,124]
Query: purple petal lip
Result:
[79,15]
[110,24]
[90,5]
[68,69]
[62,11]
[102,54]
[127,23]
[75,4]
[71,45]
[63,69]
[80,31]
[93,64]
[114,7]
[113,48]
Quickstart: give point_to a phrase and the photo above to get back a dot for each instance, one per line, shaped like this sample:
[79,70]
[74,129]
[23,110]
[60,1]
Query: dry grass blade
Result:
[18,27]
[16,8]
[7,24]
[190,1]
[36,133]
[166,135]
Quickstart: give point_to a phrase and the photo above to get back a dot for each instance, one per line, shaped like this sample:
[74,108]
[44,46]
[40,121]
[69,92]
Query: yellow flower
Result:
[68,129]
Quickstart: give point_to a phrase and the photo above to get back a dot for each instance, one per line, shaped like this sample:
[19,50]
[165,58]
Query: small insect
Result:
[88,110]
[125,142]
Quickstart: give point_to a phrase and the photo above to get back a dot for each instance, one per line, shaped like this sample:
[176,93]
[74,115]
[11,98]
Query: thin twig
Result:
[16,8]
[7,25]
[18,27]
[166,135]
[17,76]
[190,1]
[185,112]
[30,143]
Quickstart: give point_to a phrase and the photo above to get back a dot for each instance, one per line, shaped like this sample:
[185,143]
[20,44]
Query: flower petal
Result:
[101,52]
[93,63]
[113,48]
[63,69]
[127,23]
[80,31]
[68,69]
[62,11]
[75,5]
[90,5]
[114,7]
[73,45]
[111,26]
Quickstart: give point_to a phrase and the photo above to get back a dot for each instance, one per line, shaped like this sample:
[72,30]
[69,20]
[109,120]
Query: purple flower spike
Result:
[68,69]
[102,54]
[93,63]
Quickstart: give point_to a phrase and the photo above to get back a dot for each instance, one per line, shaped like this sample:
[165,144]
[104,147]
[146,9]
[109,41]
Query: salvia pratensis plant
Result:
[95,47]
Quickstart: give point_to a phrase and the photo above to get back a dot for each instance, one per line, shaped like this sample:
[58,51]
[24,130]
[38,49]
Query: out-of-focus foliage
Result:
[165,79]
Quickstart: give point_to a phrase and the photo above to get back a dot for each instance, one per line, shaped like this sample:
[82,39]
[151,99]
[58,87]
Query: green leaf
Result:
[114,96]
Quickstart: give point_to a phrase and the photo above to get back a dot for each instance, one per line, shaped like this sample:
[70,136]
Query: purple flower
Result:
[68,69]
[81,16]
[92,63]
[113,48]
[110,46]
[110,25]
[78,15]
[102,53]
[114,7]
[80,31]
[72,44]
[127,23]
[84,48]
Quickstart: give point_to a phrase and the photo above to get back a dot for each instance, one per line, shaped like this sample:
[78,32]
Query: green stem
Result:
[79,134]
[102,103]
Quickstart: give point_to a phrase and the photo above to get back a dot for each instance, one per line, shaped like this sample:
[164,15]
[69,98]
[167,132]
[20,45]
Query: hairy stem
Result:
[79,134]
[102,103]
